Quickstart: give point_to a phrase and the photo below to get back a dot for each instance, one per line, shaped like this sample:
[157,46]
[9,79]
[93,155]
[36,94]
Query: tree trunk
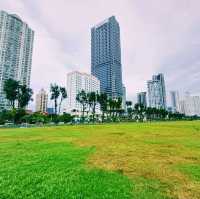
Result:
[83,113]
[93,112]
[60,105]
[13,104]
[103,116]
[55,106]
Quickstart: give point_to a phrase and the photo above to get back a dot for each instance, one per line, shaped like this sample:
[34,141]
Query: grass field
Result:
[123,161]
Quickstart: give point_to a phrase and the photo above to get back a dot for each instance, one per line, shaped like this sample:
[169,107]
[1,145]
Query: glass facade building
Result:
[142,99]
[157,92]
[174,101]
[106,57]
[16,45]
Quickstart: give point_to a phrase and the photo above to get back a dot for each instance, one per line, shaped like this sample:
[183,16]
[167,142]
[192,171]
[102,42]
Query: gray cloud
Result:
[157,36]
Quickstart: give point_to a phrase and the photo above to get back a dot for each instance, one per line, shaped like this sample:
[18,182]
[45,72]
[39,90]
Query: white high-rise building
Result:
[182,106]
[76,82]
[41,101]
[190,105]
[16,46]
[156,92]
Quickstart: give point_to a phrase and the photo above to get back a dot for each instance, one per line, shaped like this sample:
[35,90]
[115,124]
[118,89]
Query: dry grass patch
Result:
[147,150]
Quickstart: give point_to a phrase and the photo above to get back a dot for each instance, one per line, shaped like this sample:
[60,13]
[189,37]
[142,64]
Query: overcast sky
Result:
[156,36]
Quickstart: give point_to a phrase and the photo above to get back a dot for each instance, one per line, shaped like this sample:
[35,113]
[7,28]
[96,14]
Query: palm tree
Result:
[118,105]
[163,113]
[89,101]
[63,93]
[136,111]
[55,93]
[16,92]
[24,96]
[11,91]
[92,100]
[83,100]
[130,113]
[129,109]
[103,101]
[140,111]
[148,113]
[128,104]
[111,105]
[114,106]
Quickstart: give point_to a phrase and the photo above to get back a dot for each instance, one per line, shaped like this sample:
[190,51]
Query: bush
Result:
[66,118]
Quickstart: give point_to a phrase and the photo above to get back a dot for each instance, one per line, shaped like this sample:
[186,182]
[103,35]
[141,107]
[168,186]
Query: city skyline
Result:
[149,44]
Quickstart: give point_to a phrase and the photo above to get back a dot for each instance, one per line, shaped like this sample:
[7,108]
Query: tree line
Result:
[19,96]
[108,106]
[94,107]
[112,110]
[139,112]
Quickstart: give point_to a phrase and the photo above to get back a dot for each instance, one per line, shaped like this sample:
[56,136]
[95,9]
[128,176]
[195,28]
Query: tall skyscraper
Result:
[76,82]
[175,101]
[16,46]
[142,98]
[41,101]
[106,56]
[156,91]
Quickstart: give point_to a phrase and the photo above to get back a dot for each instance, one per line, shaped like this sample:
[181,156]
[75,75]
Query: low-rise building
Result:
[41,101]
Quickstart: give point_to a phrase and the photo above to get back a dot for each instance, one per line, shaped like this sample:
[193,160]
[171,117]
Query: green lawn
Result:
[136,161]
